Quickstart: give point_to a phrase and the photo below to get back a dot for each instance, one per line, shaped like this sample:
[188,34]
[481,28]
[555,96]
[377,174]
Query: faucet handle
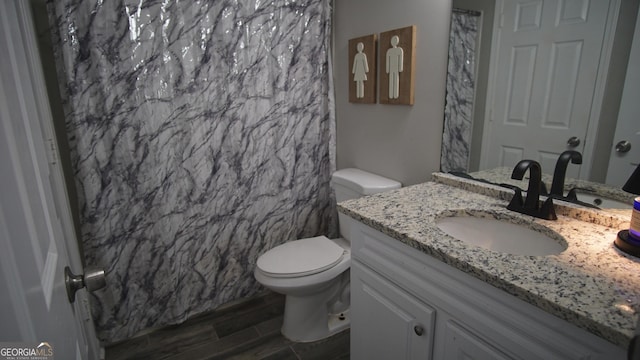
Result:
[573,193]
[547,210]
[516,203]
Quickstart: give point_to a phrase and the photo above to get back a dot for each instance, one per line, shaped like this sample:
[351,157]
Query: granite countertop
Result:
[591,284]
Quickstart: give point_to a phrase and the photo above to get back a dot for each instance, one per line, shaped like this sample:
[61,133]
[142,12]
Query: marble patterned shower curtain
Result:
[201,134]
[458,113]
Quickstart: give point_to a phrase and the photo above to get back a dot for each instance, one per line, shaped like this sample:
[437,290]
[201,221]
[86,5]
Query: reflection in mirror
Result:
[557,107]
[458,111]
[481,50]
[592,194]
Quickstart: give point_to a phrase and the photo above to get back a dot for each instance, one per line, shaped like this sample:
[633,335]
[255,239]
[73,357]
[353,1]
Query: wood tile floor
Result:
[249,329]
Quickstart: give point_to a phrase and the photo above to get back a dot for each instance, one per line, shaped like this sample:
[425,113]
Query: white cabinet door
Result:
[387,322]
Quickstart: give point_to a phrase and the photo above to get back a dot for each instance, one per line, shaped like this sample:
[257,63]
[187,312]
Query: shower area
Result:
[200,134]
[467,77]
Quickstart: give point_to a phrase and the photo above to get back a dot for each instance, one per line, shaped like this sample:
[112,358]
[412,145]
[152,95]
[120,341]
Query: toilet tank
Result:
[354,183]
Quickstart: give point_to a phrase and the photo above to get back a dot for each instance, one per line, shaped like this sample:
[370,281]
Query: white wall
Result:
[397,141]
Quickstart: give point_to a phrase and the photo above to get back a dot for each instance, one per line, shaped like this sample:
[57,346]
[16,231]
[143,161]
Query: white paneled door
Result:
[36,240]
[543,80]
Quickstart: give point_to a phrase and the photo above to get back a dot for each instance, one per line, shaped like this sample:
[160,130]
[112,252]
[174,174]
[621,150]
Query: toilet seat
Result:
[301,257]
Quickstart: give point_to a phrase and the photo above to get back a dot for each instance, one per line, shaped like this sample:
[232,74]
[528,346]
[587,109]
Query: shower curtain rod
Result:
[467,11]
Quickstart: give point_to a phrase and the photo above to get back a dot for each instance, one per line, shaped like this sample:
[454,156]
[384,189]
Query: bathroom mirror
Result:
[595,139]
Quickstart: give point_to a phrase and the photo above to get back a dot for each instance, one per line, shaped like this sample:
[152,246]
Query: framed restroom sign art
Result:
[362,70]
[397,65]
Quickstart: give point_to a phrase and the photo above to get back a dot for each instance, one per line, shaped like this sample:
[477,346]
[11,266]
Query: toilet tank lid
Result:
[363,182]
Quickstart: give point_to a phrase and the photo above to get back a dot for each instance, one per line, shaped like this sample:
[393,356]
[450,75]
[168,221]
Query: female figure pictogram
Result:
[360,70]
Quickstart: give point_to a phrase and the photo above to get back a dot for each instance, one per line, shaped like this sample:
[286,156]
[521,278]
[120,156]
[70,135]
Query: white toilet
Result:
[313,272]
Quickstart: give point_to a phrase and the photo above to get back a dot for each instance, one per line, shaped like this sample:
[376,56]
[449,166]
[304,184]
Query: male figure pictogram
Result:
[395,58]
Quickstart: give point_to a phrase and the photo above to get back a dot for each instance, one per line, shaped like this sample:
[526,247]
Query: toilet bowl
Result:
[311,290]
[313,273]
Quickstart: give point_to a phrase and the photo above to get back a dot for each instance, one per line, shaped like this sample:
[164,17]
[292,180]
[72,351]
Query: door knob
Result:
[573,141]
[93,279]
[623,146]
[419,330]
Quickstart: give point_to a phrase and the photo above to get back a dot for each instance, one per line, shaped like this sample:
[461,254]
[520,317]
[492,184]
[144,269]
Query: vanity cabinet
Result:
[406,304]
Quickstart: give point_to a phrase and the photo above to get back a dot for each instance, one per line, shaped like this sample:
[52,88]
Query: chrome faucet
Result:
[531,206]
[557,186]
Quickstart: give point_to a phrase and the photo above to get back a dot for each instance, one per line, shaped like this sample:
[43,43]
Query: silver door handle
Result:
[93,279]
[573,141]
[623,146]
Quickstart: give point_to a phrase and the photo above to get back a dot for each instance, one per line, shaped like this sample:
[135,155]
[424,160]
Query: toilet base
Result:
[314,326]
[339,322]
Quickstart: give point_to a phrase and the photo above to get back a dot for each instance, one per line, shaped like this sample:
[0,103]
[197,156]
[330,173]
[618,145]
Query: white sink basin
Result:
[503,236]
[603,202]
